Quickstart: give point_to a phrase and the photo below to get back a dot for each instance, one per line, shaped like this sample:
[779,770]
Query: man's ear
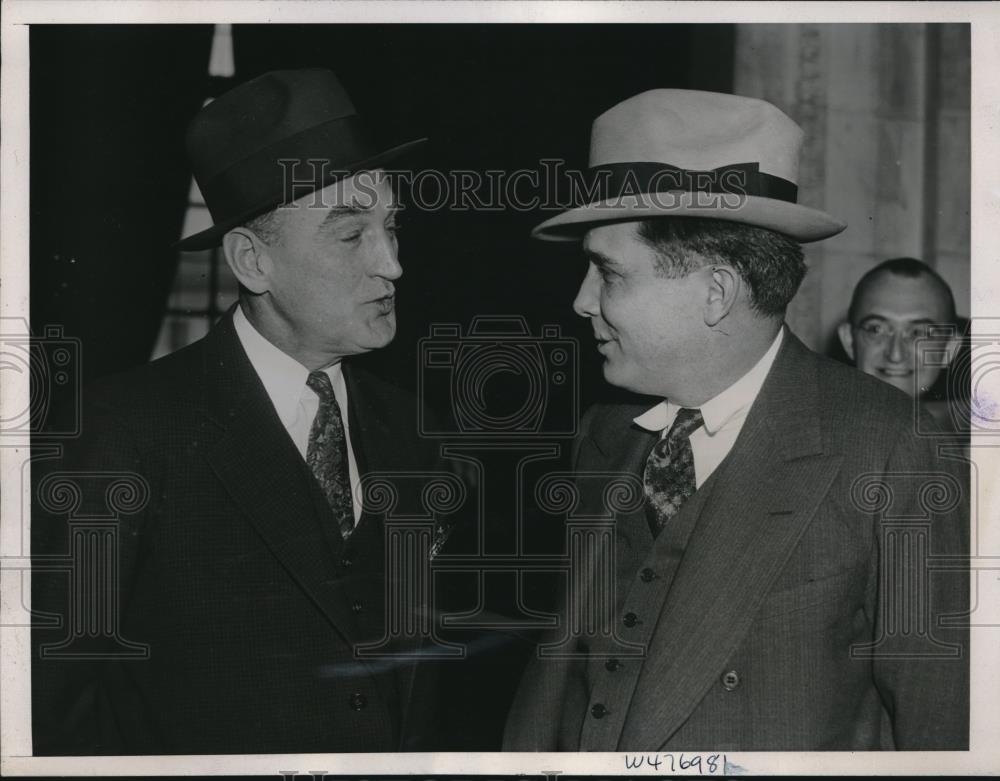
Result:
[846,334]
[724,287]
[249,259]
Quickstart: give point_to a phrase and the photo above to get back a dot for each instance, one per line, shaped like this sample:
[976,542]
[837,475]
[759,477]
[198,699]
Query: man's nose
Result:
[896,347]
[587,301]
[386,263]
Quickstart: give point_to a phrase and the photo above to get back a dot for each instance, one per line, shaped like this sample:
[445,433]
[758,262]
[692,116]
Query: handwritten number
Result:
[709,764]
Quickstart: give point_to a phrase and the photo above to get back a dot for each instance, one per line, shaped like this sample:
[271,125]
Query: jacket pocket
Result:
[815,592]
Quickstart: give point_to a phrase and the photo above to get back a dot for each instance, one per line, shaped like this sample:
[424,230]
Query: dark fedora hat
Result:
[272,140]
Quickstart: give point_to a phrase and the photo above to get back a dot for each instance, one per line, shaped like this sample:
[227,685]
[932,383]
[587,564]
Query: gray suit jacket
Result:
[790,606]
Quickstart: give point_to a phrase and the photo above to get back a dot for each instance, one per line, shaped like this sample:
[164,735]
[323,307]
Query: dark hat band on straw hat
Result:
[613,181]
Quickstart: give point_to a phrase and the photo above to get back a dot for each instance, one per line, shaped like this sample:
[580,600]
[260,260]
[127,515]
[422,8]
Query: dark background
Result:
[109,179]
[109,190]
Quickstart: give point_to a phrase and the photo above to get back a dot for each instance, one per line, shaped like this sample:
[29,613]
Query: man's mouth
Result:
[386,303]
[896,372]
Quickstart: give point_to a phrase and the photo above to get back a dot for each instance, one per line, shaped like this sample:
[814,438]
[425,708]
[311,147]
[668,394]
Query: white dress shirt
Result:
[296,403]
[724,416]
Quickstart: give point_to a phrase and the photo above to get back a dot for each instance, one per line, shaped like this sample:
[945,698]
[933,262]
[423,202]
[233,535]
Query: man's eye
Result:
[351,238]
[875,329]
[920,331]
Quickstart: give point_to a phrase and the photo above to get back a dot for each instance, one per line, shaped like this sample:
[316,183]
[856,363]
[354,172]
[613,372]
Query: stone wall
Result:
[885,109]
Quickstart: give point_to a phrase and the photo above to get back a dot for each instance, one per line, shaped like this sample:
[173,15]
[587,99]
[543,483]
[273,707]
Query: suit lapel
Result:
[378,438]
[617,445]
[259,466]
[381,443]
[766,493]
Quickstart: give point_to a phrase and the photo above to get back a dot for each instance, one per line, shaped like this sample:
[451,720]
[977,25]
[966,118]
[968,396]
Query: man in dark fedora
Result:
[772,589]
[249,568]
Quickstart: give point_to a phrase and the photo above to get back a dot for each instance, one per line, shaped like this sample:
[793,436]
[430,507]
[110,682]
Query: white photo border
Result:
[15,702]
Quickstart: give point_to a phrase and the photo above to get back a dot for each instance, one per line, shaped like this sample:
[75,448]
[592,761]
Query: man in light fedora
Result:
[253,570]
[771,589]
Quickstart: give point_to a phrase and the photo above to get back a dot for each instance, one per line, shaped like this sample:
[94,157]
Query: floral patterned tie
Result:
[669,478]
[327,453]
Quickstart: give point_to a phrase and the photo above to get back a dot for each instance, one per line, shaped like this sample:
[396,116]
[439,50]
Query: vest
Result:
[644,571]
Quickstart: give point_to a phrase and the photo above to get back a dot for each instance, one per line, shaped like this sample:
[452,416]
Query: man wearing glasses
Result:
[894,306]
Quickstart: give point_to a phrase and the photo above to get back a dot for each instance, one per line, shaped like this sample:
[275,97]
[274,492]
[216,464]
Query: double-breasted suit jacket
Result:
[232,575]
[790,604]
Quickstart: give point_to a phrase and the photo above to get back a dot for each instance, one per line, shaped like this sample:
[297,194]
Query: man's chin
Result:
[382,332]
[902,382]
[377,337]
[617,375]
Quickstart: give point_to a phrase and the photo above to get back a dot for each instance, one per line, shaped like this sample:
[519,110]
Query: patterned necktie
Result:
[669,478]
[327,453]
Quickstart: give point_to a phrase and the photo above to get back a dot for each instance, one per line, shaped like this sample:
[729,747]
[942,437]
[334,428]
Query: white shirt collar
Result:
[283,377]
[726,406]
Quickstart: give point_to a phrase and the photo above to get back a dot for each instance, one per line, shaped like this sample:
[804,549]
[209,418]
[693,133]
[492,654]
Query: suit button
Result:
[356,606]
[730,680]
[358,701]
[647,575]
[599,711]
[630,619]
[611,665]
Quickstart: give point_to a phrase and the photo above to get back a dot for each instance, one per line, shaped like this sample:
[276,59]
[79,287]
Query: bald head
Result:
[926,287]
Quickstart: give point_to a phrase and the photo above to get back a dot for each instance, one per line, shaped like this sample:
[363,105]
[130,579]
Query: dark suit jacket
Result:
[787,607]
[232,574]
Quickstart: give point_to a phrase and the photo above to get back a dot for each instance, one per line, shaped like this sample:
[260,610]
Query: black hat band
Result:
[613,181]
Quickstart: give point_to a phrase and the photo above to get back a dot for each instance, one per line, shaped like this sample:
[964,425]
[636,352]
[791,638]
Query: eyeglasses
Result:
[880,332]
